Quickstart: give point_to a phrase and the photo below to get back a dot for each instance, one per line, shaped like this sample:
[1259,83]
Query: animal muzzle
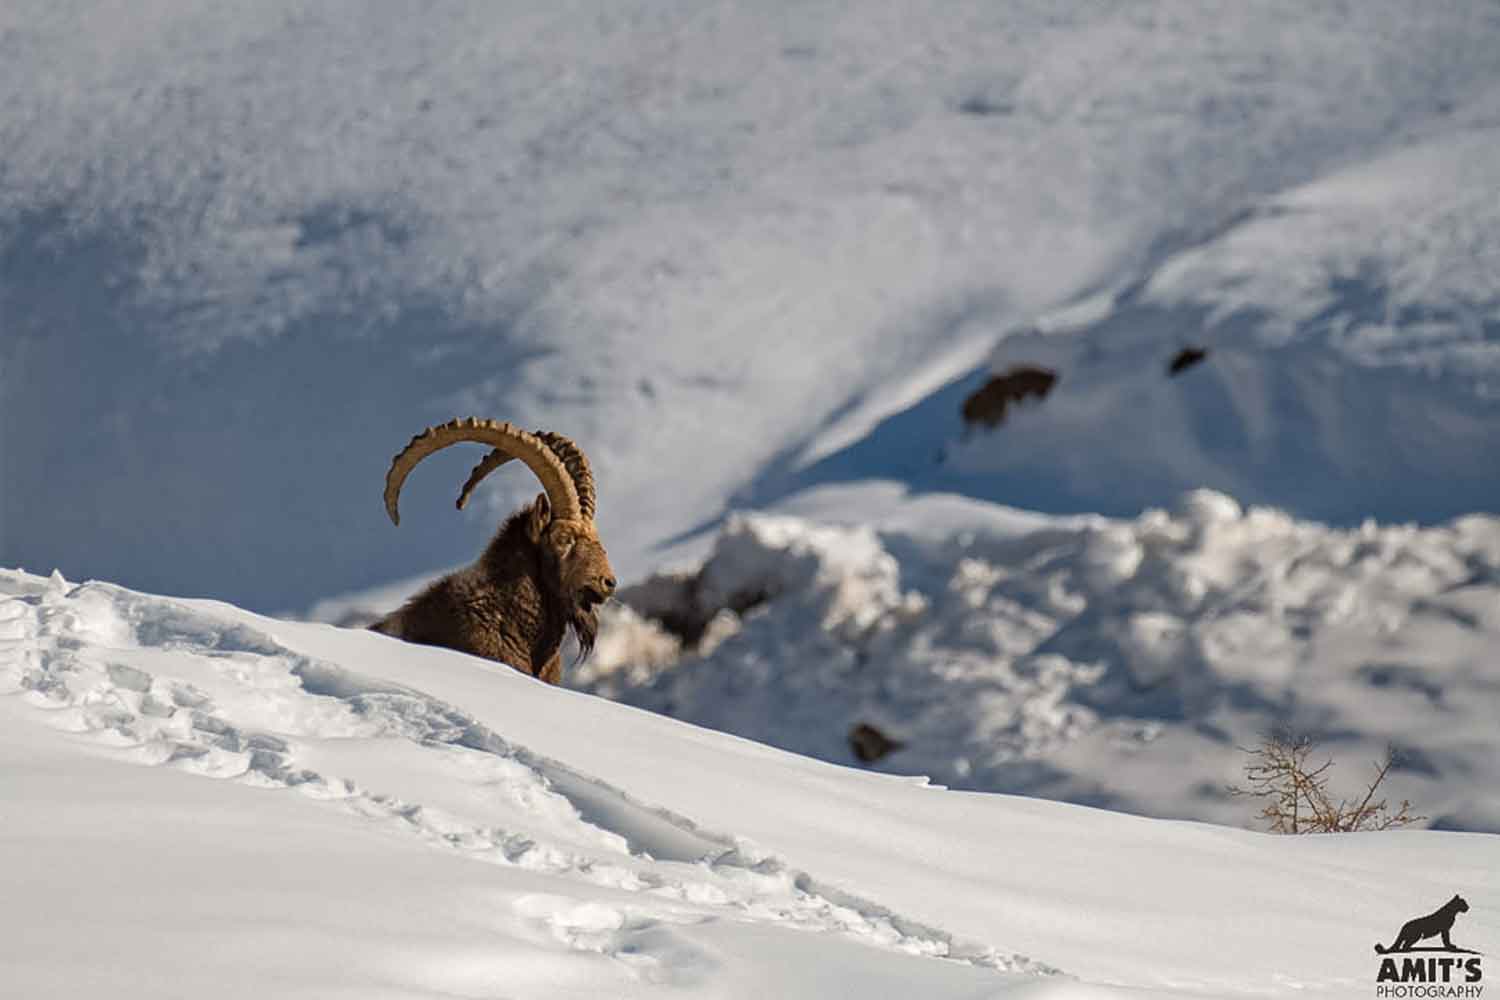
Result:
[598,591]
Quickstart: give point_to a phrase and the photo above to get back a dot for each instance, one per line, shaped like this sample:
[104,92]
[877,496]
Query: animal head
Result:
[1458,904]
[559,523]
[574,566]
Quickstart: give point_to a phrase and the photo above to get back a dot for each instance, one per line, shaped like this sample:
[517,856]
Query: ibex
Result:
[545,571]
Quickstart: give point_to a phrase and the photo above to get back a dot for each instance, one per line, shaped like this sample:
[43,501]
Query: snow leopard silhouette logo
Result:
[1439,922]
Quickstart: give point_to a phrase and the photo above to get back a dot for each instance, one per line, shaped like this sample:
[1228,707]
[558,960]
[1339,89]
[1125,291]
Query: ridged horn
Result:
[505,438]
[571,456]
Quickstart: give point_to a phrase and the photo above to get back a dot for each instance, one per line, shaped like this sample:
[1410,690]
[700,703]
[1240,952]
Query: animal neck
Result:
[527,610]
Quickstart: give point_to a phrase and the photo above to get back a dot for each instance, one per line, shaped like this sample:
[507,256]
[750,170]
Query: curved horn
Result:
[511,440]
[571,456]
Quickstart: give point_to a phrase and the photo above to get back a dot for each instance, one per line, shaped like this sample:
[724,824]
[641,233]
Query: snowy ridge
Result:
[407,822]
[160,684]
[1118,663]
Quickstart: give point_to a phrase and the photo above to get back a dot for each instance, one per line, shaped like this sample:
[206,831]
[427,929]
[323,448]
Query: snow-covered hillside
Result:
[735,250]
[199,800]
[1351,330]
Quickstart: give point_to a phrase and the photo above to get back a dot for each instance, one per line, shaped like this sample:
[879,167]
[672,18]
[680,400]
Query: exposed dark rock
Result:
[676,602]
[1185,359]
[870,744]
[987,406]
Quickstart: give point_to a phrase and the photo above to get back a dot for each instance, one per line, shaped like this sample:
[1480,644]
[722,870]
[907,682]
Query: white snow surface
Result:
[737,251]
[198,800]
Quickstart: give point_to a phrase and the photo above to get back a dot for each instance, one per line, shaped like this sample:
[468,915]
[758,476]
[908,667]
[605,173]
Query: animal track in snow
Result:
[237,705]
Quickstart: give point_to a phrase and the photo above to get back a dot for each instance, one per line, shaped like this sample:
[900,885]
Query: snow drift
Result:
[198,798]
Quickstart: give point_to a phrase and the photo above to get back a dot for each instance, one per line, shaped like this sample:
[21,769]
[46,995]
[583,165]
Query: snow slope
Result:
[199,798]
[255,248]
[1352,331]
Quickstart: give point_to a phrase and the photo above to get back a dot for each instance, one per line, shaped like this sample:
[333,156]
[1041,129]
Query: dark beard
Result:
[584,623]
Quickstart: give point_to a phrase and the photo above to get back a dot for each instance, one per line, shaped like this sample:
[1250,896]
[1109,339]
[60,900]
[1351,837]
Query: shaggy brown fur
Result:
[538,578]
[987,405]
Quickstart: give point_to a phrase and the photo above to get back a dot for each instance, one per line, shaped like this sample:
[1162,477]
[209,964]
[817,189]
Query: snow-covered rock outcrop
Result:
[1119,662]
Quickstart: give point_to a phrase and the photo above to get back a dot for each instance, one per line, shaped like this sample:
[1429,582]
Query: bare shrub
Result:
[1296,795]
